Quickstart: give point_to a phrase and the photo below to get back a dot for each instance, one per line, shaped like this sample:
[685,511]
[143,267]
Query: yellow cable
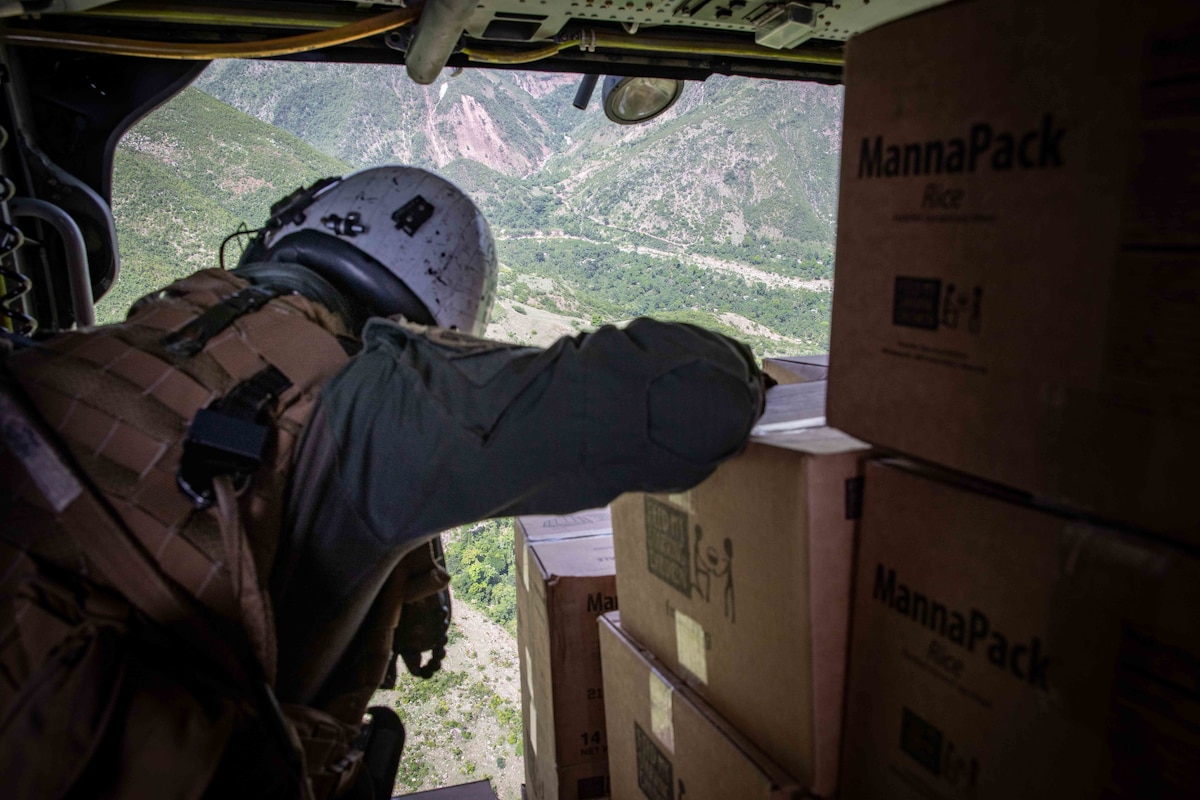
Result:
[517,56]
[386,22]
[5,323]
[195,51]
[659,45]
[157,11]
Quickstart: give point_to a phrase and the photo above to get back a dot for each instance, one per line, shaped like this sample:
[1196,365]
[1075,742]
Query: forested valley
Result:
[720,213]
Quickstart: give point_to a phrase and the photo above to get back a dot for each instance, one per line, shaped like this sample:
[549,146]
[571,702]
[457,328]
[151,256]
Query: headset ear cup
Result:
[302,280]
[366,284]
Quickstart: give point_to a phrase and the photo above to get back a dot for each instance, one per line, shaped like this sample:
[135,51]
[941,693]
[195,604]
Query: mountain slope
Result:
[735,163]
[739,157]
[186,177]
[369,115]
[720,211]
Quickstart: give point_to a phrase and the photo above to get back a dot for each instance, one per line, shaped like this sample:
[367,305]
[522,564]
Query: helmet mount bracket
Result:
[350,225]
[291,208]
[413,214]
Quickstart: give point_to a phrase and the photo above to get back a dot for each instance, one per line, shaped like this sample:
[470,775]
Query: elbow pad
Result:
[703,411]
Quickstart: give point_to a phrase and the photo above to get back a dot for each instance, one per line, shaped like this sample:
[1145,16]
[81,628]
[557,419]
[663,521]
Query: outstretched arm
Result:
[427,429]
[435,429]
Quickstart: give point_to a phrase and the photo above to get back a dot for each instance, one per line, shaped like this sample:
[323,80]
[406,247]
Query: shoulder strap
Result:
[191,339]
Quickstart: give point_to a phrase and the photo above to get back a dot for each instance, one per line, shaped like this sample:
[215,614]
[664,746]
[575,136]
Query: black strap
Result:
[424,626]
[382,744]
[433,617]
[250,397]
[229,437]
[191,338]
[16,340]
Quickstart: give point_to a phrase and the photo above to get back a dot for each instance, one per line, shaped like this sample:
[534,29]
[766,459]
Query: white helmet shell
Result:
[418,225]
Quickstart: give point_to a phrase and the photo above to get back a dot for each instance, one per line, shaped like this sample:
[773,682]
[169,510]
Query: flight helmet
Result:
[388,240]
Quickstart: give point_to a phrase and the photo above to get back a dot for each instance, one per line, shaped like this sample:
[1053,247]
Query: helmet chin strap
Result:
[366,287]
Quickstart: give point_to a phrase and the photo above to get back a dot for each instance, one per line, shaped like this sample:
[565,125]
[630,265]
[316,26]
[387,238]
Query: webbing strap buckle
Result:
[219,444]
[229,437]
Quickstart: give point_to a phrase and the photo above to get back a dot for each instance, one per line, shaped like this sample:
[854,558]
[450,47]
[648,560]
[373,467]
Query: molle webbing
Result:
[191,338]
[122,401]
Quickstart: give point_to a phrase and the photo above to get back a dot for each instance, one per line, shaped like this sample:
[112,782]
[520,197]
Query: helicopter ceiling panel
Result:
[666,38]
[537,20]
[541,20]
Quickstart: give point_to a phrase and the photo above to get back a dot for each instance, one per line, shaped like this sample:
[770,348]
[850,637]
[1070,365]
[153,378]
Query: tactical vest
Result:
[184,420]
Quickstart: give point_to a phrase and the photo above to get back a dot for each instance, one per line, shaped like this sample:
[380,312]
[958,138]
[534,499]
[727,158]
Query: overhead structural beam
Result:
[437,32]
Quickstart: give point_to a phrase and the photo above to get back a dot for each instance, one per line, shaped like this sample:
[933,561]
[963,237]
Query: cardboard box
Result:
[793,407]
[667,743]
[742,586]
[1001,651]
[478,790]
[1018,255]
[562,586]
[797,369]
[592,522]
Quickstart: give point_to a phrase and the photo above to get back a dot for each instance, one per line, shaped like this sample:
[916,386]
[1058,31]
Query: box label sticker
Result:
[921,741]
[668,551]
[682,499]
[533,734]
[525,567]
[655,774]
[689,645]
[529,690]
[529,672]
[662,717]
[915,302]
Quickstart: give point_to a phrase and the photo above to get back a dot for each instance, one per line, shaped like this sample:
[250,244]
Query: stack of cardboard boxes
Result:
[565,580]
[723,674]
[724,679]
[1018,310]
[1012,557]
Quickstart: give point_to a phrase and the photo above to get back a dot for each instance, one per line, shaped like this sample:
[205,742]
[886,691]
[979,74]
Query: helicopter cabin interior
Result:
[960,557]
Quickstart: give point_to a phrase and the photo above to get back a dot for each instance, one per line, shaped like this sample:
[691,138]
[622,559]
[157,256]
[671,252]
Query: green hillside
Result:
[620,284]
[689,216]
[742,161]
[721,213]
[734,158]
[187,176]
[368,115]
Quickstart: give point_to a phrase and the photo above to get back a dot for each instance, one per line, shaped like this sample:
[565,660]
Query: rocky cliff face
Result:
[735,161]
[367,114]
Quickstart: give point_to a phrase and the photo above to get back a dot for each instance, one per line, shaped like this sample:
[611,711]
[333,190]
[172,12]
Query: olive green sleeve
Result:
[427,429]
